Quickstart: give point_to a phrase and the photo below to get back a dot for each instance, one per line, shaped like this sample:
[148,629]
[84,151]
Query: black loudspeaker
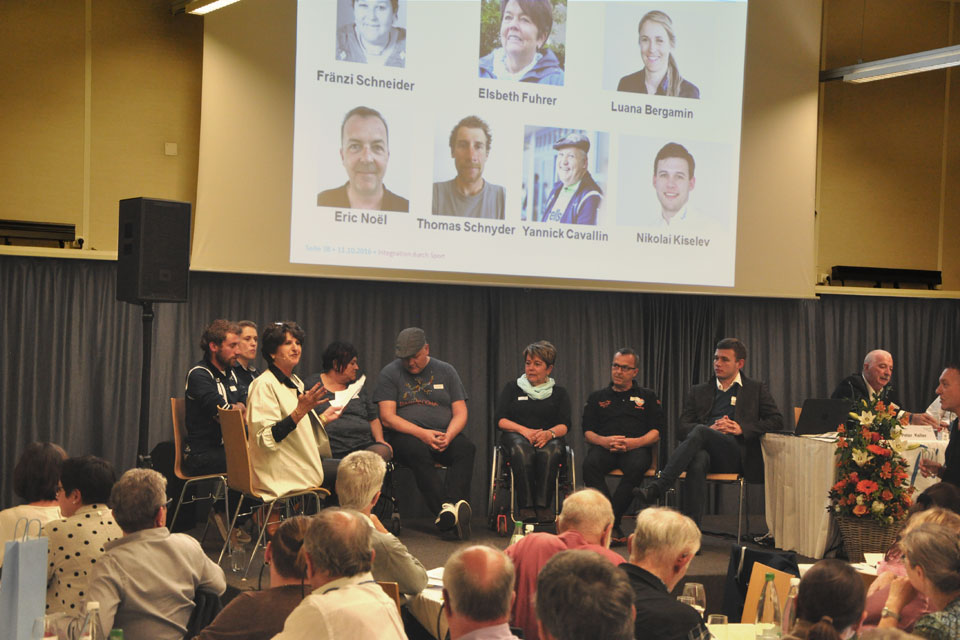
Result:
[153,251]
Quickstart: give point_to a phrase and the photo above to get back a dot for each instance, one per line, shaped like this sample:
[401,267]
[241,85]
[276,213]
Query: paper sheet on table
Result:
[435,576]
[343,398]
[823,437]
[918,432]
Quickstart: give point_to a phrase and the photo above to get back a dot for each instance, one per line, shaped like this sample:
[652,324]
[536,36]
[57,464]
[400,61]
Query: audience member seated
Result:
[580,595]
[661,548]
[359,478]
[585,522]
[75,542]
[887,634]
[146,582]
[359,424]
[942,494]
[477,594]
[933,568]
[258,615]
[893,567]
[35,478]
[289,448]
[347,603]
[829,603]
[533,414]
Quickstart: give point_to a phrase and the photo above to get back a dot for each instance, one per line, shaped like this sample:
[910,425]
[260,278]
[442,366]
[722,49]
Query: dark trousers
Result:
[633,463]
[457,457]
[703,451]
[534,470]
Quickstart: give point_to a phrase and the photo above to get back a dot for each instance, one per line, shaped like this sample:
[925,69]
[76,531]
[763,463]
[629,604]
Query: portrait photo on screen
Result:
[564,175]
[675,49]
[372,32]
[523,40]
[675,185]
[364,151]
[463,186]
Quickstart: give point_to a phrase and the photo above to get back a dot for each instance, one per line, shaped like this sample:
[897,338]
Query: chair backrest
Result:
[392,589]
[239,475]
[178,407]
[796,415]
[757,579]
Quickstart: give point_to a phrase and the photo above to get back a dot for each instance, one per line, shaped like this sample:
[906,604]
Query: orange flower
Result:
[840,484]
[854,477]
[874,437]
[842,444]
[859,510]
[887,495]
[841,429]
[879,406]
[867,486]
[878,450]
[885,471]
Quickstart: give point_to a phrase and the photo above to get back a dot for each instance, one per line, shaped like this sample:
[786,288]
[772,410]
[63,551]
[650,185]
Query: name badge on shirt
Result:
[519,398]
[733,401]
[438,386]
[233,388]
[637,401]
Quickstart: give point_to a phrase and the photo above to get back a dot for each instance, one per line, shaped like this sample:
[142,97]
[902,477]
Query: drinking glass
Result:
[695,590]
[717,623]
[688,600]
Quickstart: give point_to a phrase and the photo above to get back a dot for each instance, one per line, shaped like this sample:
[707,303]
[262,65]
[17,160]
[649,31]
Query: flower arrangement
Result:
[872,476]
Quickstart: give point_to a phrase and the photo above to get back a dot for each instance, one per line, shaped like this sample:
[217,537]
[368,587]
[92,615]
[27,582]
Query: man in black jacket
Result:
[721,424]
[949,392]
[870,383]
[661,548]
[211,384]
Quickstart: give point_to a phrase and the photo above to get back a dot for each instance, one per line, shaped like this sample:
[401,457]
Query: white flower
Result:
[877,506]
[897,445]
[861,457]
[865,417]
[859,498]
[896,432]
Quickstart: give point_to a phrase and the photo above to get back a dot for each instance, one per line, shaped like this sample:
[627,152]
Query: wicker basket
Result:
[866,535]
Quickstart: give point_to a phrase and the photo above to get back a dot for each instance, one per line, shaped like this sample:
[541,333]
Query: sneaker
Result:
[447,518]
[464,513]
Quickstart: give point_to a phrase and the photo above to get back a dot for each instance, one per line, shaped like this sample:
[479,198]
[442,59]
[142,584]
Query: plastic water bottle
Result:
[768,611]
[91,629]
[517,532]
[790,608]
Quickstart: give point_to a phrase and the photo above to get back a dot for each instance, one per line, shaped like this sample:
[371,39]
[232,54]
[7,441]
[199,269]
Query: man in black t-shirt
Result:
[622,424]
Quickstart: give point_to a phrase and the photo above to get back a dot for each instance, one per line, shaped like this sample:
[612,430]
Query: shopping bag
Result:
[23,586]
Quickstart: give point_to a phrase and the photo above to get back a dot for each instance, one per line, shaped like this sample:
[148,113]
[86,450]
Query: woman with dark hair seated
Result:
[358,426]
[287,437]
[254,615]
[932,554]
[533,414]
[829,603]
[893,567]
[76,541]
[35,478]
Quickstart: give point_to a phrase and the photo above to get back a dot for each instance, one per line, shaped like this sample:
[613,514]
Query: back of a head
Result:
[936,549]
[339,543]
[662,533]
[891,633]
[37,471]
[286,547]
[581,596]
[832,596]
[933,515]
[941,494]
[136,498]
[587,511]
[479,582]
[93,476]
[359,478]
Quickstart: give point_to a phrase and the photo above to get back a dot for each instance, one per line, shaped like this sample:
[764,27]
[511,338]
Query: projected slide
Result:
[572,139]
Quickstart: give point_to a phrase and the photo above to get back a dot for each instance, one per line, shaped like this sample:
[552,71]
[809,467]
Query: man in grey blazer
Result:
[721,425]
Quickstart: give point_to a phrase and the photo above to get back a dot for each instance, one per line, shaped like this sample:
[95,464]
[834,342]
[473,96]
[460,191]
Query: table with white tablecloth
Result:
[799,472]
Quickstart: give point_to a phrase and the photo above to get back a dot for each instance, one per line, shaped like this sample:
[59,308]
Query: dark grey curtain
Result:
[71,352]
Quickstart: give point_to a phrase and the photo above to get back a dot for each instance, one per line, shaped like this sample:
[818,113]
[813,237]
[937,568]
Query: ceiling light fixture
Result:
[894,67]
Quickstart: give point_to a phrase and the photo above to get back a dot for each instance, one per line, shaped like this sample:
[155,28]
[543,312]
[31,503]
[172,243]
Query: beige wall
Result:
[85,119]
[887,165]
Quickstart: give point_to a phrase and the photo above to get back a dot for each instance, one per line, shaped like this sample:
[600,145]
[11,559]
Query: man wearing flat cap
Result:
[576,197]
[424,407]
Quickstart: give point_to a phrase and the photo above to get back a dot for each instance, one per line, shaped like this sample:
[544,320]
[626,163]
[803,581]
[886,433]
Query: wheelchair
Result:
[501,505]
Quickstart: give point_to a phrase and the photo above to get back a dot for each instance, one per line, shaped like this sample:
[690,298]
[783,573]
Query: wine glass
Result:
[695,590]
[687,600]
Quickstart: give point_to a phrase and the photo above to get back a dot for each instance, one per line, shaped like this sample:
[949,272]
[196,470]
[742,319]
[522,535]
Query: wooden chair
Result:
[737,480]
[178,409]
[392,589]
[240,478]
[796,415]
[755,586]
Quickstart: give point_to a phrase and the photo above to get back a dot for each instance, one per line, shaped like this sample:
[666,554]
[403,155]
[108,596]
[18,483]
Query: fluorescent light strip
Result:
[201,7]
[893,67]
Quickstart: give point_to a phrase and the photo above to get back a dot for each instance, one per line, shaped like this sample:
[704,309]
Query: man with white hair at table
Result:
[871,381]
